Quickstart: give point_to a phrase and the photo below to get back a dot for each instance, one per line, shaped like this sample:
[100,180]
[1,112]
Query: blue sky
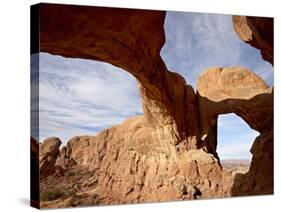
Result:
[82,97]
[235,137]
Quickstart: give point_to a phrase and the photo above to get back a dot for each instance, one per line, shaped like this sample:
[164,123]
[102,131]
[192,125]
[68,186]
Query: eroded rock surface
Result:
[169,153]
[132,40]
[49,151]
[237,90]
[260,178]
[258,32]
[130,166]
[240,91]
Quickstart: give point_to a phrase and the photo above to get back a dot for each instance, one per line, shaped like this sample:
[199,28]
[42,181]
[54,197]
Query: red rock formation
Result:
[143,152]
[132,40]
[48,153]
[260,178]
[258,32]
[237,90]
[159,156]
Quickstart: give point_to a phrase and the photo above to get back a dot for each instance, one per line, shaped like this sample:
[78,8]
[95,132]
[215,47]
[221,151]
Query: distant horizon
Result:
[64,143]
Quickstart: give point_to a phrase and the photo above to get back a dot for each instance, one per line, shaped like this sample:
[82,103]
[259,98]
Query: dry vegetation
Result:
[77,187]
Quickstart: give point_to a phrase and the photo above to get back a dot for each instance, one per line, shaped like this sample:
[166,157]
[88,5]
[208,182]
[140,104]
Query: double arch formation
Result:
[178,122]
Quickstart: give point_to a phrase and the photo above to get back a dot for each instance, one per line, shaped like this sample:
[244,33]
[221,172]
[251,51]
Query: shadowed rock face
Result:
[34,172]
[258,32]
[170,152]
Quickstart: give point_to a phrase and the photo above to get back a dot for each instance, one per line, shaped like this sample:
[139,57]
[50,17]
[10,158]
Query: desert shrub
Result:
[94,199]
[51,194]
[70,192]
[74,201]
[83,201]
[70,174]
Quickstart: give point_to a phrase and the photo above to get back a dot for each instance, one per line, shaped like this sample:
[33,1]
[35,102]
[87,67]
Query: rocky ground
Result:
[236,166]
[75,187]
[79,186]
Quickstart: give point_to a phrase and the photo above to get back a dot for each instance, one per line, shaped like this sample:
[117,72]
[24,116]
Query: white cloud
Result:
[83,97]
[235,137]
[197,41]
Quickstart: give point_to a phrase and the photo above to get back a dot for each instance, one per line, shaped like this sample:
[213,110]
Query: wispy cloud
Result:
[83,97]
[197,41]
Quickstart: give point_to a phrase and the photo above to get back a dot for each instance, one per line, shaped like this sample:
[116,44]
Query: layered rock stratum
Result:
[169,153]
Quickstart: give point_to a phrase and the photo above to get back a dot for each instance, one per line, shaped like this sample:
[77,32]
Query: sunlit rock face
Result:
[169,153]
[48,154]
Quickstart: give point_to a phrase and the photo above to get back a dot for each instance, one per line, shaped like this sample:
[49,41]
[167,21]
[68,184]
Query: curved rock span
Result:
[169,153]
[240,91]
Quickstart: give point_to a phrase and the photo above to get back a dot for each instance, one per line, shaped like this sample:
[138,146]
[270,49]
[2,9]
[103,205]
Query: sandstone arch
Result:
[237,90]
[132,40]
[172,148]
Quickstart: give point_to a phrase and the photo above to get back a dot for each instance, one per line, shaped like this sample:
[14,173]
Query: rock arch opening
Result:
[83,97]
[234,141]
[172,146]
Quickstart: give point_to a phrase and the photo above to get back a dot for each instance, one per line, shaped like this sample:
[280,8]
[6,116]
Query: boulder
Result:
[49,151]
